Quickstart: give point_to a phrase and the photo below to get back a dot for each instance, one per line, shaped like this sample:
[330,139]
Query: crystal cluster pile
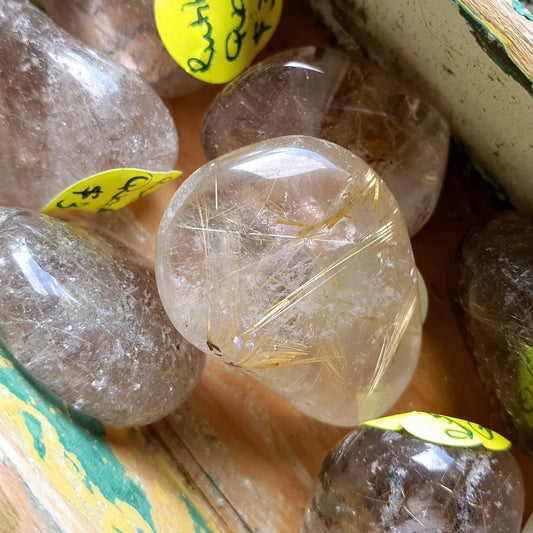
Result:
[126,32]
[322,93]
[67,112]
[290,259]
[495,311]
[378,480]
[81,313]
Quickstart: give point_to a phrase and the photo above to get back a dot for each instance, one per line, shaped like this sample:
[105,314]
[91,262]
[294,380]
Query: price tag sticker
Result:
[110,190]
[445,430]
[215,40]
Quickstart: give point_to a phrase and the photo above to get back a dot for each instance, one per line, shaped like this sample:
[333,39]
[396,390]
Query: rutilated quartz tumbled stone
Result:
[378,480]
[359,105]
[126,32]
[289,258]
[68,112]
[81,313]
[494,284]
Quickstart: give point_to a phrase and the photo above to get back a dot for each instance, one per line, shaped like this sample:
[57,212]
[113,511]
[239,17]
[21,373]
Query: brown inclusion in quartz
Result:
[357,104]
[387,481]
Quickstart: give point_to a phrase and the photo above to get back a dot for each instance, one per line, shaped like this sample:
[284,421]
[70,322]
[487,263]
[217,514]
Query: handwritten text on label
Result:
[215,40]
[110,190]
[441,429]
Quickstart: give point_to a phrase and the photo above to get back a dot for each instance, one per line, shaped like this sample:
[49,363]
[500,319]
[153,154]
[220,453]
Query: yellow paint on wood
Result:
[64,471]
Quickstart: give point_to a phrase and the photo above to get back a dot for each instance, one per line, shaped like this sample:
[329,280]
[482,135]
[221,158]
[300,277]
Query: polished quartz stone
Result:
[495,311]
[290,259]
[81,313]
[321,92]
[67,112]
[378,480]
[126,32]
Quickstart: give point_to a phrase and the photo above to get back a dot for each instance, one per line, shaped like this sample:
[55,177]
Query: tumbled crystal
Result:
[321,92]
[289,258]
[126,32]
[81,313]
[67,112]
[495,311]
[378,480]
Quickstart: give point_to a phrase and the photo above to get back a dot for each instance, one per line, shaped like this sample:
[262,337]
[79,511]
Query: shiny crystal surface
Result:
[378,480]
[126,32]
[495,311]
[67,112]
[81,313]
[290,259]
[321,92]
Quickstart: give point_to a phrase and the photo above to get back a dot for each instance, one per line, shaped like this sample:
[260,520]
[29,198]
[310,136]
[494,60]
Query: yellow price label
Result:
[215,40]
[441,429]
[110,190]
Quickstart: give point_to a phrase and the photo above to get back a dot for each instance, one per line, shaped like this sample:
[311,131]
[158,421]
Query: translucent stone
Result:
[378,480]
[126,32]
[81,313]
[67,112]
[321,92]
[289,258]
[495,311]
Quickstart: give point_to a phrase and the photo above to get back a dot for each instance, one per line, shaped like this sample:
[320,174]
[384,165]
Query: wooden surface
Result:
[511,28]
[481,79]
[234,457]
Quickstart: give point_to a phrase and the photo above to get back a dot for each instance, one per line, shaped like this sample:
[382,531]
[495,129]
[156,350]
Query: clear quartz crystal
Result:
[359,105]
[290,259]
[81,313]
[126,32]
[67,112]
[495,311]
[378,480]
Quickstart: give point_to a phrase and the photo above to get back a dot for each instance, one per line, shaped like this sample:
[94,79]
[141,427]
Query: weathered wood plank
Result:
[63,471]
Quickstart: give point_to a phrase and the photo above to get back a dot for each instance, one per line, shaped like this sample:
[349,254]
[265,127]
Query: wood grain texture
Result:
[234,457]
[512,29]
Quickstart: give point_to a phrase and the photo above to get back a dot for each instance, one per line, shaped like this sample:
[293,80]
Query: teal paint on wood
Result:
[200,525]
[36,429]
[79,435]
[494,48]
[520,8]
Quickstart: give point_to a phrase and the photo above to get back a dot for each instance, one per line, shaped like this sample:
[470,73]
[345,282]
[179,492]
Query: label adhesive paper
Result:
[110,190]
[215,40]
[441,429]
